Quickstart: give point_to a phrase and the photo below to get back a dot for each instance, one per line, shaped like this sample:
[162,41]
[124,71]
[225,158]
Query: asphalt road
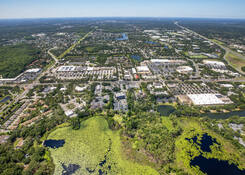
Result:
[227,50]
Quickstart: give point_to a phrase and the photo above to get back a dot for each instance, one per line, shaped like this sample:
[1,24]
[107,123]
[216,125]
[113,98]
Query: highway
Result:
[227,50]
[74,45]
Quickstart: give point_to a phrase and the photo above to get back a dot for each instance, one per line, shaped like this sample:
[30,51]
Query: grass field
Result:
[235,61]
[196,56]
[218,42]
[90,49]
[89,146]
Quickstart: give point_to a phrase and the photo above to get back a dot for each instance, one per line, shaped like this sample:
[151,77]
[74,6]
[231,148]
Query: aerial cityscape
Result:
[84,94]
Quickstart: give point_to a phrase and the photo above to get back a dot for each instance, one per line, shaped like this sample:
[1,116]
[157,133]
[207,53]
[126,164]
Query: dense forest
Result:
[217,28]
[14,59]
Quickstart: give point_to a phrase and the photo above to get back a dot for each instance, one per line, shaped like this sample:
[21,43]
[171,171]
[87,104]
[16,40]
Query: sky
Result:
[122,8]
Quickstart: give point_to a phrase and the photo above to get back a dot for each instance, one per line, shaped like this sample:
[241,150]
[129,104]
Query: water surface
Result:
[165,110]
[54,143]
[216,167]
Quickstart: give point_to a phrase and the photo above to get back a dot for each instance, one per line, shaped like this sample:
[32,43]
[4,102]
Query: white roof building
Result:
[133,70]
[205,99]
[184,69]
[241,86]
[211,62]
[143,69]
[227,85]
[167,61]
[36,70]
[69,113]
[80,89]
[66,68]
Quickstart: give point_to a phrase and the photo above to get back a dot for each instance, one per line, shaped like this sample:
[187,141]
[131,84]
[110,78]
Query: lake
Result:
[215,166]
[212,166]
[225,115]
[165,110]
[54,143]
[205,142]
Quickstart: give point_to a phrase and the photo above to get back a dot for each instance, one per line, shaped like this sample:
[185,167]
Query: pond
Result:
[70,169]
[123,38]
[225,115]
[205,142]
[165,110]
[5,99]
[151,42]
[215,166]
[136,57]
[54,143]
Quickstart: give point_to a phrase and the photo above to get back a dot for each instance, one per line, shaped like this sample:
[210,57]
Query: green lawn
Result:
[89,145]
[90,49]
[217,41]
[196,56]
[168,123]
[235,61]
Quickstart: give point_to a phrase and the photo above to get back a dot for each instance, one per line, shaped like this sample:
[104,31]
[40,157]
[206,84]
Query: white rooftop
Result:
[80,89]
[226,85]
[214,62]
[66,68]
[166,61]
[205,99]
[182,69]
[142,69]
[33,70]
[69,113]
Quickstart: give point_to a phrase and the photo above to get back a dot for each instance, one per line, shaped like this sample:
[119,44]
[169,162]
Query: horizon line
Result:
[239,18]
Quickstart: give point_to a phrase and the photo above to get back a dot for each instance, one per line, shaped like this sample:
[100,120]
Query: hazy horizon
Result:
[15,9]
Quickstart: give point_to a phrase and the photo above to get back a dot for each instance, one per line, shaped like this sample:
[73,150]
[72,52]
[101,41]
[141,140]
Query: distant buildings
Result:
[168,61]
[83,72]
[28,75]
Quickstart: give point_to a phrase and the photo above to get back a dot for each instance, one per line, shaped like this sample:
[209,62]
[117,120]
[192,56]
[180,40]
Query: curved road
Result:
[227,50]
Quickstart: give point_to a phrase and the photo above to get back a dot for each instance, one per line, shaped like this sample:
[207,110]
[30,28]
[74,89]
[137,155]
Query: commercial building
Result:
[184,69]
[83,72]
[28,75]
[209,99]
[168,61]
[214,64]
[143,70]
